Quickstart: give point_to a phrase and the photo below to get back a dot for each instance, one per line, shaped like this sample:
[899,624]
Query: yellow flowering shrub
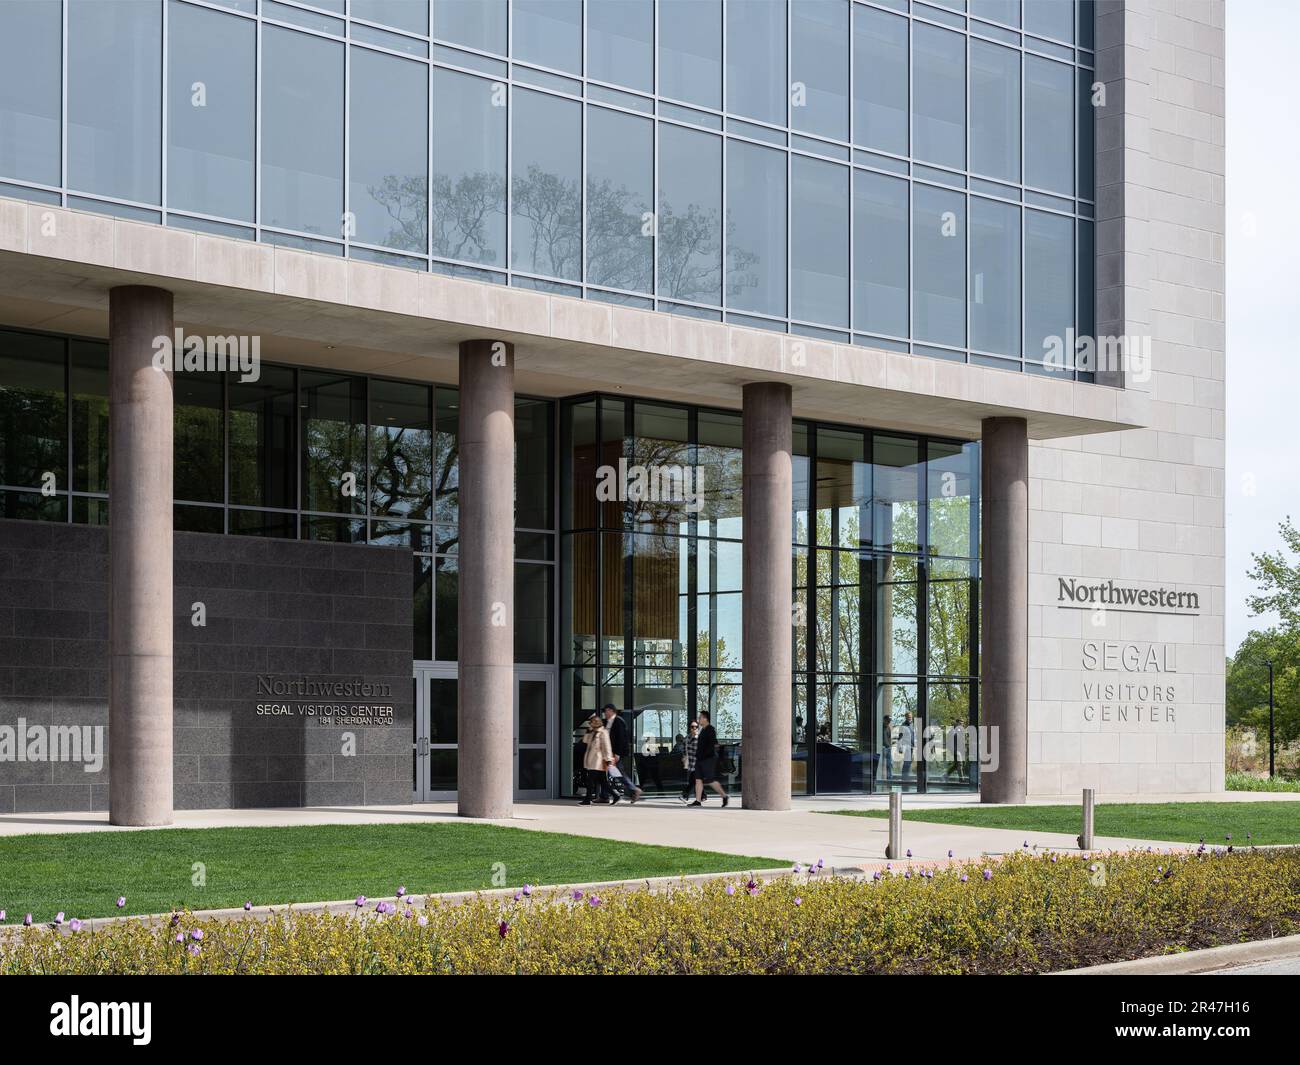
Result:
[1028,913]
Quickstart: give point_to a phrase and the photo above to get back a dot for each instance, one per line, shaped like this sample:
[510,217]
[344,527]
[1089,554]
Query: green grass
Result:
[83,873]
[1249,782]
[1175,822]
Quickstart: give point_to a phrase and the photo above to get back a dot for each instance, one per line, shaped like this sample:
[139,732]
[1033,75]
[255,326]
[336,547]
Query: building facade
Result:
[387,385]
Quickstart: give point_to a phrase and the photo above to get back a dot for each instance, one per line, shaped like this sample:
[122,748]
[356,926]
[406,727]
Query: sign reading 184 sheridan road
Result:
[312,698]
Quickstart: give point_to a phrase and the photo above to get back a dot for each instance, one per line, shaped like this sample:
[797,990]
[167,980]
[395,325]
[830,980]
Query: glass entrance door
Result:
[433,743]
[533,770]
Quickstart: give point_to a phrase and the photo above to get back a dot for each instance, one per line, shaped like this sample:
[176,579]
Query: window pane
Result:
[819,60]
[620,197]
[198,439]
[1049,285]
[939,96]
[469,169]
[939,266]
[446,598]
[1087,136]
[115,98]
[549,33]
[756,246]
[896,488]
[690,214]
[410,15]
[897,600]
[953,478]
[690,51]
[532,613]
[994,276]
[476,23]
[31,57]
[547,205]
[1050,18]
[819,227]
[1049,125]
[1005,11]
[879,80]
[401,449]
[995,111]
[880,253]
[302,132]
[533,483]
[88,379]
[211,112]
[33,418]
[1085,315]
[263,445]
[446,465]
[334,442]
[756,74]
[620,42]
[389,157]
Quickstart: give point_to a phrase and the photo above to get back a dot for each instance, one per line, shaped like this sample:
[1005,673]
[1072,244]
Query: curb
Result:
[1196,961]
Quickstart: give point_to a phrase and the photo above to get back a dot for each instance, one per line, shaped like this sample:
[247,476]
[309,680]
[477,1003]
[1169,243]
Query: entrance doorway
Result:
[434,740]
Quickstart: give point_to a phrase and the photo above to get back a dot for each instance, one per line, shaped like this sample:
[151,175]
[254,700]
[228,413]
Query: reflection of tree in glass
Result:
[726,719]
[552,239]
[467,217]
[334,449]
[619,249]
[400,476]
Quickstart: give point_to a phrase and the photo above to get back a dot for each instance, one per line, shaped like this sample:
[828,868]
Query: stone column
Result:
[1004,605]
[485,713]
[140,609]
[767,676]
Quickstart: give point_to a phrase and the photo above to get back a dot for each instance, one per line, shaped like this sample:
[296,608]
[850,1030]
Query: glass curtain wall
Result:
[885,630]
[917,179]
[298,454]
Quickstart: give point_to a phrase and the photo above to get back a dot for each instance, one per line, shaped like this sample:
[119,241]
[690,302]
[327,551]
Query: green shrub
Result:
[1026,914]
[1250,782]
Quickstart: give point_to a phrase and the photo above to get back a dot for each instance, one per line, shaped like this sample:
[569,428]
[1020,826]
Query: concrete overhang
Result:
[57,265]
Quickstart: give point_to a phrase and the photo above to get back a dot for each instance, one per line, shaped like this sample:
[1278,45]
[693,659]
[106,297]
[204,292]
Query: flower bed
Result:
[1028,913]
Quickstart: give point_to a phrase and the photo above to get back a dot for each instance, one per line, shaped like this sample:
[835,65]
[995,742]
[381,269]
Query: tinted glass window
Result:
[114,98]
[198,438]
[1005,11]
[994,276]
[1049,125]
[620,196]
[549,33]
[333,442]
[388,186]
[939,96]
[620,42]
[756,73]
[994,111]
[547,190]
[756,227]
[819,227]
[88,380]
[880,253]
[263,444]
[690,215]
[33,417]
[410,15]
[1050,18]
[401,449]
[690,51]
[819,61]
[302,132]
[477,23]
[211,112]
[1087,136]
[468,218]
[1049,284]
[31,63]
[938,266]
[879,80]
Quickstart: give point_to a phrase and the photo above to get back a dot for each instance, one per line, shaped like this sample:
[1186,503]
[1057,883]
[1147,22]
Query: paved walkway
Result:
[803,834]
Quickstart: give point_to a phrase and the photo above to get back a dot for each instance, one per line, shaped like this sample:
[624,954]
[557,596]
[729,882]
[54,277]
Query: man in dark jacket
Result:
[620,738]
[706,762]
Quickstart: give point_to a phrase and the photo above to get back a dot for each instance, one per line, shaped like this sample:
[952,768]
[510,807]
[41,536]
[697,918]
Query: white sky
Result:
[1263,288]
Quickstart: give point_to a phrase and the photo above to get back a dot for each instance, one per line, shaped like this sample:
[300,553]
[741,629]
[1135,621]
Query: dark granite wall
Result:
[278,609]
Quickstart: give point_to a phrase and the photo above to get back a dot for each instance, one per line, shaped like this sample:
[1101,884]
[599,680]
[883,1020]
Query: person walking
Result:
[597,760]
[906,743]
[706,762]
[620,741]
[690,745]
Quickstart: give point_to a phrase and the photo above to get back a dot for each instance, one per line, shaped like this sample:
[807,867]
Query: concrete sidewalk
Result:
[803,834]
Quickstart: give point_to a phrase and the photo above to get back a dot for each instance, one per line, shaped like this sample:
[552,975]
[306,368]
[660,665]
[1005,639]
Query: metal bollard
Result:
[1089,818]
[895,849]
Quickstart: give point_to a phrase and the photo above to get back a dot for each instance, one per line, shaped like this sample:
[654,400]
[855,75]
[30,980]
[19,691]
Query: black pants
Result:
[596,784]
[688,789]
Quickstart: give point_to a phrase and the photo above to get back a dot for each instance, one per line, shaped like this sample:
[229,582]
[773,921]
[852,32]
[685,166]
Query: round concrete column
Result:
[766,582]
[485,715]
[140,559]
[1004,605]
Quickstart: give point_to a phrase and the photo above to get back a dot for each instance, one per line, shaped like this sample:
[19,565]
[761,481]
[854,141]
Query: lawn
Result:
[1175,822]
[84,873]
